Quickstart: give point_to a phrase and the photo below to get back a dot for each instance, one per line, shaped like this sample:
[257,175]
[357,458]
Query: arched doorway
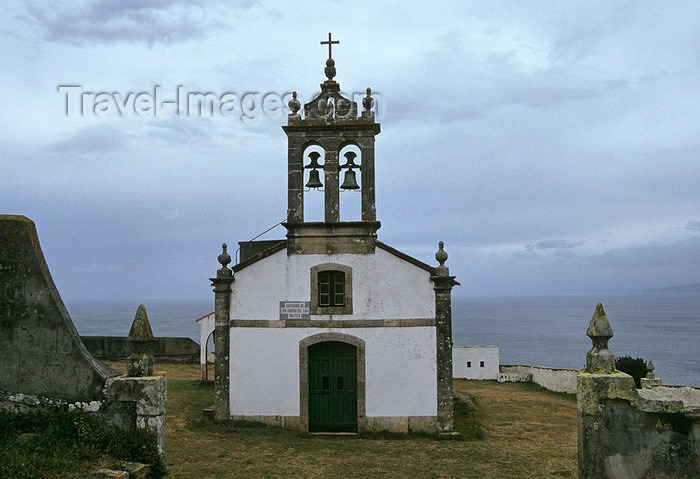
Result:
[332,387]
[209,355]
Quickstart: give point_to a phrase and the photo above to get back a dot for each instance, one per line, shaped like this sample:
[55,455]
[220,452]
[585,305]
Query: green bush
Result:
[62,443]
[637,368]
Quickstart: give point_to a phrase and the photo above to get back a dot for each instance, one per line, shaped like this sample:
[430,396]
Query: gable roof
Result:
[406,257]
[205,316]
[282,244]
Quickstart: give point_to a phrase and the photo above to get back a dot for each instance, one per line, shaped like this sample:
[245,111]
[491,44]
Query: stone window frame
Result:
[304,345]
[315,309]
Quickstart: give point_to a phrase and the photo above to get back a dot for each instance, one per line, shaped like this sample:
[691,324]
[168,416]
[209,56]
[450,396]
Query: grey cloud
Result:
[621,269]
[168,21]
[693,226]
[541,94]
[681,254]
[180,130]
[479,91]
[579,36]
[91,140]
[555,244]
[10,33]
[661,255]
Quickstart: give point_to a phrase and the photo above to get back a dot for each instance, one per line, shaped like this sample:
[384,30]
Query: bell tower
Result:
[330,122]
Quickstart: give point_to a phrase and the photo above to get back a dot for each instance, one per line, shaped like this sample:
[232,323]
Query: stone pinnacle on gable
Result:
[441,257]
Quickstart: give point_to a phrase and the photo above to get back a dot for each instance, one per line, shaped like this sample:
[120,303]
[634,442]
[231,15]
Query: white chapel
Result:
[331,330]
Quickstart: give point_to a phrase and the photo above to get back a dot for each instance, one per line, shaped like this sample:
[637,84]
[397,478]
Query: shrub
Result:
[637,368]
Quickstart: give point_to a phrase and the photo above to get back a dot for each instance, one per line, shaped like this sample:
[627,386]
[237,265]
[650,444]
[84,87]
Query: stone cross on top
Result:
[330,44]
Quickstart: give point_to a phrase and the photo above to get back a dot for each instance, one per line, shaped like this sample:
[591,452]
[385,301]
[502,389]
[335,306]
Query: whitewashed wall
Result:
[383,286]
[467,360]
[401,376]
[554,379]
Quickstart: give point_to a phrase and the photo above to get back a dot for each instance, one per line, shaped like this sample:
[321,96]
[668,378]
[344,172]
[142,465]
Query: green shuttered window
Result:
[331,288]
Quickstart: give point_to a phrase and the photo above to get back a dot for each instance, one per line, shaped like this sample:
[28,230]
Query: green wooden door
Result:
[332,387]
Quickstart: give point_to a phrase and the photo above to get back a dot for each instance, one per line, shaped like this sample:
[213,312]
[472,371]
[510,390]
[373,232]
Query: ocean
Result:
[544,331]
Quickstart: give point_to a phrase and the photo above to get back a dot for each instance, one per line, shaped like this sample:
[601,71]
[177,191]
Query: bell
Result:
[313,157]
[350,182]
[314,180]
[350,160]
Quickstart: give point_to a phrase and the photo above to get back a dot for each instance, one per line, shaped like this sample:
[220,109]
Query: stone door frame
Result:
[304,345]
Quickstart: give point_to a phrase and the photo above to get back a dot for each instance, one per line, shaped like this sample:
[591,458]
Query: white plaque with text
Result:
[295,309]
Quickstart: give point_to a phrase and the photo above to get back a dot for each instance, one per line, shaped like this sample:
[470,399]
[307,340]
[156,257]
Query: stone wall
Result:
[178,350]
[689,395]
[40,350]
[630,433]
[634,433]
[553,379]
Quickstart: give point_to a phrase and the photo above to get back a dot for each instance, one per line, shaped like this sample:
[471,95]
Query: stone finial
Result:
[140,363]
[441,257]
[368,101]
[330,69]
[600,360]
[651,381]
[140,328]
[650,370]
[224,258]
[294,104]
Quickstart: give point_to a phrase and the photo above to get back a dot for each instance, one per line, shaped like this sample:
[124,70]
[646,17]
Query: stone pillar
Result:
[141,385]
[295,179]
[626,432]
[331,183]
[222,331]
[600,363]
[442,283]
[369,209]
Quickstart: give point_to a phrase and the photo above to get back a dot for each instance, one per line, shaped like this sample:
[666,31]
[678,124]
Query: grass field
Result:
[510,431]
[529,433]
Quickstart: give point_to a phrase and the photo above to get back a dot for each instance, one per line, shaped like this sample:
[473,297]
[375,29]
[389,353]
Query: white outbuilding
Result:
[475,362]
[331,330]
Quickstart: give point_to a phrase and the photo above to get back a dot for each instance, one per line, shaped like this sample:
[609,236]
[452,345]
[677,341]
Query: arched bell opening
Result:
[314,159]
[350,160]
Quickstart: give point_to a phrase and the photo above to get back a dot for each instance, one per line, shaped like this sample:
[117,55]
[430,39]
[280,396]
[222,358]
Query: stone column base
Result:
[149,393]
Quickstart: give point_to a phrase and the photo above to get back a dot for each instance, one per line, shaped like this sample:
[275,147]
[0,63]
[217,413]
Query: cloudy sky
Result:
[553,146]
